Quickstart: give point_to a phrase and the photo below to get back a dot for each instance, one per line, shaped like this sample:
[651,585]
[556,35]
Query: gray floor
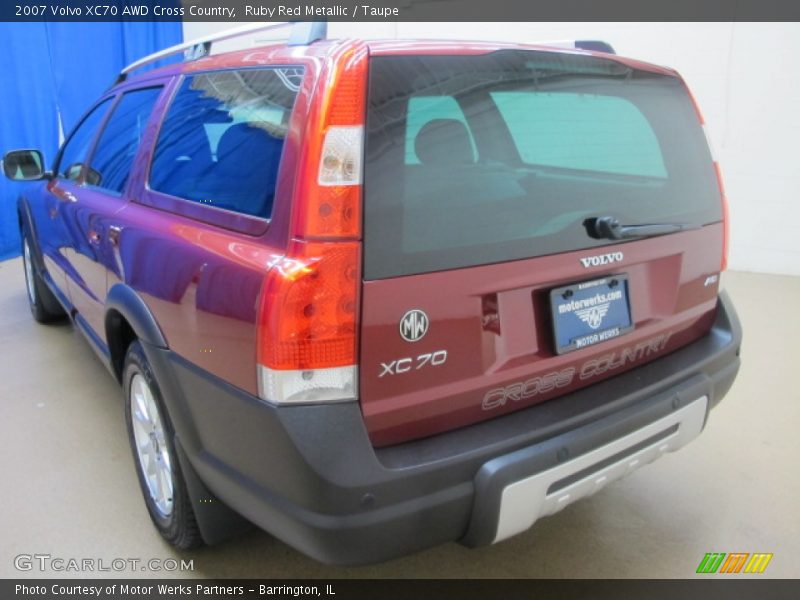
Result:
[69,489]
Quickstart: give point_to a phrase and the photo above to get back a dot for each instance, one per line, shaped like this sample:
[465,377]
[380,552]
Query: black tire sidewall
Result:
[35,303]
[44,306]
[170,527]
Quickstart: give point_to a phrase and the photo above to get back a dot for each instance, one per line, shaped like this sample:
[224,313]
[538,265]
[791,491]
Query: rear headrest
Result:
[189,141]
[246,146]
[444,142]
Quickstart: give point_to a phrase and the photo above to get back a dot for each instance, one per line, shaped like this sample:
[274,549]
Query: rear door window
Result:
[472,160]
[222,139]
[116,149]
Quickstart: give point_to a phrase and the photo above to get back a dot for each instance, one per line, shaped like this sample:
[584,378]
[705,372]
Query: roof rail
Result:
[591,45]
[302,33]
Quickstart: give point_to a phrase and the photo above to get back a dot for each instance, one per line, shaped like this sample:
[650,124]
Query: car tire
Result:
[41,300]
[152,443]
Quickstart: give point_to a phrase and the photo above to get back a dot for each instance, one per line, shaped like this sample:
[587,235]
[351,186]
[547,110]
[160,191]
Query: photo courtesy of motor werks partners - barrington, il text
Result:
[165,589]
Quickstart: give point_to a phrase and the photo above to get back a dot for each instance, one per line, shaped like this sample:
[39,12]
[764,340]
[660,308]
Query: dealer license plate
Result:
[590,312]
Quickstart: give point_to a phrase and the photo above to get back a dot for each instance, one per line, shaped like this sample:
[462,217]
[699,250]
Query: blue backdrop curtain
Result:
[59,69]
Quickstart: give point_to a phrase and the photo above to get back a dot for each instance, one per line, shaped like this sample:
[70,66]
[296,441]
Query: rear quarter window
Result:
[222,139]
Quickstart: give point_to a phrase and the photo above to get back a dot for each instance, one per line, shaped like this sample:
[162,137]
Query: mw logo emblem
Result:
[601,259]
[414,325]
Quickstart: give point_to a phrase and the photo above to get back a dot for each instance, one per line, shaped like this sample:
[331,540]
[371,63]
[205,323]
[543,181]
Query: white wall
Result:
[745,79]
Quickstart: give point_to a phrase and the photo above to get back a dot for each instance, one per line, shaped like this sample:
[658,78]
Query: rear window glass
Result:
[472,160]
[424,109]
[221,142]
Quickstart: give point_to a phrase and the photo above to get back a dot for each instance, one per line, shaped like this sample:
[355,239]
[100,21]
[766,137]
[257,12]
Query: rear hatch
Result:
[534,222]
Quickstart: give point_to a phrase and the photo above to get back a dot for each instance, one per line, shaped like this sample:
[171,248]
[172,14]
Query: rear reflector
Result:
[304,387]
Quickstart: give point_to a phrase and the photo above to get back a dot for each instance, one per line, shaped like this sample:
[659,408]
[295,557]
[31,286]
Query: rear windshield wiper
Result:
[610,228]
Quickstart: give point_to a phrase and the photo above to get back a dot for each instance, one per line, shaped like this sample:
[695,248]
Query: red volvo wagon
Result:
[377,296]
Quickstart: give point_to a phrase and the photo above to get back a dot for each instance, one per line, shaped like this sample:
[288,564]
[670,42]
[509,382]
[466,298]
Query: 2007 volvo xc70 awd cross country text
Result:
[377,296]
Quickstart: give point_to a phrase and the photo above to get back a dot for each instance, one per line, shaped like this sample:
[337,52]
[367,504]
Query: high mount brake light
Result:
[308,317]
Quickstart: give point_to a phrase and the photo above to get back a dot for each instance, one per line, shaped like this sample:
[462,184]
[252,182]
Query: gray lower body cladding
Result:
[310,476]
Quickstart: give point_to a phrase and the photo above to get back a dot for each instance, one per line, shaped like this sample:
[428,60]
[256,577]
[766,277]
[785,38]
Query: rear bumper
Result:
[309,475]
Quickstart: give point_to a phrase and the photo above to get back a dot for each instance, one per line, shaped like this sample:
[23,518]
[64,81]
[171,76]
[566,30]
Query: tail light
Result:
[308,317]
[308,324]
[718,172]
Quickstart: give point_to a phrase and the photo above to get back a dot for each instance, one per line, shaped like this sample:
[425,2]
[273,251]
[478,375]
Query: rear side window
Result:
[221,142]
[115,151]
[479,159]
[73,154]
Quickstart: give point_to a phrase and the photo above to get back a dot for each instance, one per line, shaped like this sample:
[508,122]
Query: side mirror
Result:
[92,176]
[24,165]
